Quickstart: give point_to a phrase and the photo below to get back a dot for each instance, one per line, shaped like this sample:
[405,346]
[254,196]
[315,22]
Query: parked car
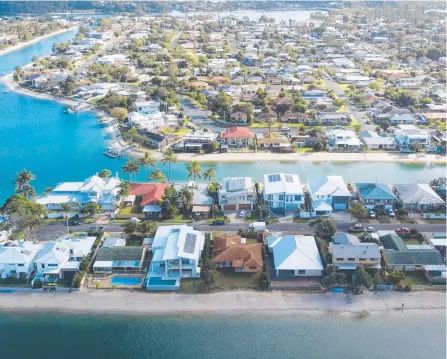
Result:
[372,214]
[218,222]
[369,229]
[358,227]
[390,212]
[257,226]
[73,222]
[402,230]
[285,129]
[96,229]
[368,122]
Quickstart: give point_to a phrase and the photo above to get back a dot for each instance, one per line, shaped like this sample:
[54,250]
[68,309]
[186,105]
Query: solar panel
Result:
[288,178]
[190,243]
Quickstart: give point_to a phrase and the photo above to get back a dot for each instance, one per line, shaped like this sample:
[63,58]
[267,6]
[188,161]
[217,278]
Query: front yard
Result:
[135,209]
[177,219]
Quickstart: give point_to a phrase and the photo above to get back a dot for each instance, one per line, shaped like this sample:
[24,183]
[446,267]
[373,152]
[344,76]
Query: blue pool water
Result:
[159,281]
[125,281]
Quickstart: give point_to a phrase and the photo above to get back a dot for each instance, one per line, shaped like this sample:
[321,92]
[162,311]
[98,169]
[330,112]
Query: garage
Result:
[245,206]
[340,206]
[229,207]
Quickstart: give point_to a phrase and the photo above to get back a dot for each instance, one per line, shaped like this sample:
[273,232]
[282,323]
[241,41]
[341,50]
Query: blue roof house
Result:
[376,195]
[295,255]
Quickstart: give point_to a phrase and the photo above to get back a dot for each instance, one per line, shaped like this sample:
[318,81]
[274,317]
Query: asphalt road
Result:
[54,230]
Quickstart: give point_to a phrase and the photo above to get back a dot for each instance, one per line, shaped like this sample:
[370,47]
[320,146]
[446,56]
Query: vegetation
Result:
[333,277]
[324,226]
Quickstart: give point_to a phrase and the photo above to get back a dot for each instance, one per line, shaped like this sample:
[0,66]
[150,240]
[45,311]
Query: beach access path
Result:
[142,303]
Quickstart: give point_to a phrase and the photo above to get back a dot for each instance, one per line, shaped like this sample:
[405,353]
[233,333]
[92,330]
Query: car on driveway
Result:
[390,212]
[218,222]
[372,214]
[402,230]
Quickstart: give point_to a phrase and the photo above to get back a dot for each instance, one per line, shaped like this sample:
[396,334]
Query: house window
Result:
[162,265]
[20,265]
[52,265]
[340,259]
[363,259]
[297,198]
[270,197]
[301,271]
[351,259]
[252,268]
[281,197]
[185,261]
[43,265]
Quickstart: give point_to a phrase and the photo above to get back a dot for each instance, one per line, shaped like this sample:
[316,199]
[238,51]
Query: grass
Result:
[303,149]
[384,220]
[344,87]
[354,122]
[128,210]
[177,219]
[228,279]
[417,277]
[255,217]
[301,220]
[190,285]
[435,221]
[15,285]
[182,132]
[217,218]
[413,240]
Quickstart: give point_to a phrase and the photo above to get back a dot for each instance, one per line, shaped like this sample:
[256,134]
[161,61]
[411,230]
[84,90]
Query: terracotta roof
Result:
[230,249]
[238,132]
[151,192]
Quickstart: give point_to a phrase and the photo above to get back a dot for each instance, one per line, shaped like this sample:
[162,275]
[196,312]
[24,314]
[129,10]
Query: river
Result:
[39,136]
[52,335]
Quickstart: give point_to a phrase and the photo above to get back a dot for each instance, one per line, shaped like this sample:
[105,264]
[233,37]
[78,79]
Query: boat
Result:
[113,153]
[69,110]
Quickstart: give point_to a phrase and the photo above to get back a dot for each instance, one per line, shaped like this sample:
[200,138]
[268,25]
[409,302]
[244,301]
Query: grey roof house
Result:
[418,197]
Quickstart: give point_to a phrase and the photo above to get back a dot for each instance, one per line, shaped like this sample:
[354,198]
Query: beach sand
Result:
[33,41]
[142,303]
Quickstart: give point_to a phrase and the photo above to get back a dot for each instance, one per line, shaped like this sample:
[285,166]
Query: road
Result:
[54,230]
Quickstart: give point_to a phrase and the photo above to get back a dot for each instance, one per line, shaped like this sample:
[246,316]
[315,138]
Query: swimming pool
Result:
[159,281]
[125,281]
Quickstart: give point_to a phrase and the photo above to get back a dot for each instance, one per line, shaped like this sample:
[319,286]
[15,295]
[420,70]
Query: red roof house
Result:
[151,193]
[238,132]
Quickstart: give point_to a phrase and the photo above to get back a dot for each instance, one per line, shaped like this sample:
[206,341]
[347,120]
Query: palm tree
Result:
[258,191]
[27,191]
[66,207]
[130,167]
[23,178]
[147,161]
[124,188]
[209,174]
[105,173]
[194,170]
[157,175]
[168,157]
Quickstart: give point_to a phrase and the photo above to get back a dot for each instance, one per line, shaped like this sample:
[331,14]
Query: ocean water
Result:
[50,335]
[39,136]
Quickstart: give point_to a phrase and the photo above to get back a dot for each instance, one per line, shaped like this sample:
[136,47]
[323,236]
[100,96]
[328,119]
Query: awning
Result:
[347,266]
[201,209]
[151,208]
[103,264]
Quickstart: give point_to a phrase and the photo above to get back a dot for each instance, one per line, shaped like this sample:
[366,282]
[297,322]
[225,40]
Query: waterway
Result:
[39,136]
[52,335]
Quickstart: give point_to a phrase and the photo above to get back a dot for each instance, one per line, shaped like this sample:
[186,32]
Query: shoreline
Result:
[237,302]
[22,45]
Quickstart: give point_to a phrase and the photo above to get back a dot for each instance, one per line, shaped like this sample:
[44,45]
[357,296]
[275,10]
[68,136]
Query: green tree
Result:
[147,227]
[194,170]
[146,161]
[357,210]
[130,167]
[362,278]
[120,113]
[169,157]
[169,203]
[333,277]
[157,175]
[325,226]
[105,173]
[91,209]
[130,227]
[68,86]
[23,178]
[209,174]
[124,188]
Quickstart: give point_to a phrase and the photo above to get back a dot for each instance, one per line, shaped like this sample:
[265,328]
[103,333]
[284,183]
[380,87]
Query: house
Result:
[376,142]
[295,255]
[147,107]
[313,94]
[348,256]
[60,260]
[344,140]
[239,116]
[195,141]
[265,117]
[305,140]
[283,192]
[401,257]
[410,138]
[233,252]
[273,140]
[176,252]
[118,259]
[110,242]
[328,193]
[155,139]
[333,118]
[149,196]
[201,201]
[295,117]
[111,59]
[17,258]
[94,189]
[345,238]
[237,193]
[238,137]
[270,61]
[376,195]
[402,119]
[420,197]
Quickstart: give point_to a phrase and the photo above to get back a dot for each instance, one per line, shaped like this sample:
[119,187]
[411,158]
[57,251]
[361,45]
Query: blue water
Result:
[159,281]
[260,336]
[125,281]
[39,136]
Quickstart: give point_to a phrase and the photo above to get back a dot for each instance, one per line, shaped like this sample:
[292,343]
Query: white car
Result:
[242,213]
[390,212]
[369,229]
[372,214]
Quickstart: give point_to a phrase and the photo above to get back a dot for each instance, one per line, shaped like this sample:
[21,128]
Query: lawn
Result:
[384,220]
[177,219]
[255,217]
[354,122]
[343,108]
[303,149]
[417,277]
[217,218]
[231,280]
[190,285]
[413,240]
[182,132]
[15,285]
[344,87]
[128,210]
[301,220]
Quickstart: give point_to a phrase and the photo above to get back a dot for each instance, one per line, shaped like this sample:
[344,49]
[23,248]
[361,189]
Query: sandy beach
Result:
[138,302]
[33,41]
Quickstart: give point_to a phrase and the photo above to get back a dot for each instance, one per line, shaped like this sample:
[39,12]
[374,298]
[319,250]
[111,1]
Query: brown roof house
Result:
[233,252]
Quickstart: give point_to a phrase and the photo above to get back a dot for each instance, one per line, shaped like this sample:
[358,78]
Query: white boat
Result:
[69,110]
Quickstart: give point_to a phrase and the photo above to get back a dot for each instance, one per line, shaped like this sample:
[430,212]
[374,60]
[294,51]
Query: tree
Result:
[169,203]
[194,170]
[357,127]
[385,124]
[169,157]
[66,208]
[23,178]
[91,209]
[146,161]
[130,167]
[362,278]
[27,191]
[68,86]
[209,174]
[185,197]
[120,113]
[157,175]
[332,277]
[147,227]
[325,226]
[124,188]
[130,227]
[258,192]
[357,210]
[105,173]
[18,74]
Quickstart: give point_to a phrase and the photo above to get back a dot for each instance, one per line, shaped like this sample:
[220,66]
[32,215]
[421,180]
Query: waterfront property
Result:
[148,195]
[122,260]
[376,195]
[295,255]
[409,138]
[234,252]
[17,258]
[176,254]
[283,192]
[238,137]
[420,197]
[237,193]
[328,193]
[348,256]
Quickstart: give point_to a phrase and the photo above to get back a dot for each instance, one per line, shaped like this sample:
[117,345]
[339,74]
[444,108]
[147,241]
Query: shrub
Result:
[37,284]
[264,280]
[405,284]
[76,283]
[394,277]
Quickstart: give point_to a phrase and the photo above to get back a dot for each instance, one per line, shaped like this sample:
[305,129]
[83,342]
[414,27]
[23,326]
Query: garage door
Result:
[230,207]
[339,205]
[245,206]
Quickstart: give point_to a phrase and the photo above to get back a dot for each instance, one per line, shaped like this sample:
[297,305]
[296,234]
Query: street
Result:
[54,230]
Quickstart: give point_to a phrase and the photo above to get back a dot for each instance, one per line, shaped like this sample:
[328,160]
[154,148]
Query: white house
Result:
[345,140]
[17,258]
[295,255]
[146,107]
[283,192]
[237,193]
[176,253]
[111,59]
[328,193]
[410,138]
